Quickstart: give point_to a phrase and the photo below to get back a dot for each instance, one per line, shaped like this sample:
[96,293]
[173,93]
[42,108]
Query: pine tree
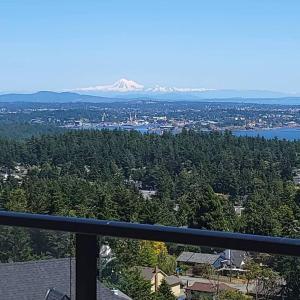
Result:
[136,287]
[164,292]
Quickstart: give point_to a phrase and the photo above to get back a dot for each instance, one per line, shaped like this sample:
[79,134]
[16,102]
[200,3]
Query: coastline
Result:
[287,133]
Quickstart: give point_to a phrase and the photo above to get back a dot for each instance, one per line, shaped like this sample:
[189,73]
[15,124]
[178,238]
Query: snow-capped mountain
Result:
[121,86]
[124,85]
[129,89]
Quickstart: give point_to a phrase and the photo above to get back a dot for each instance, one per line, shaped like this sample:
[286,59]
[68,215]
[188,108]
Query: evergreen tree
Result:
[133,285]
[164,292]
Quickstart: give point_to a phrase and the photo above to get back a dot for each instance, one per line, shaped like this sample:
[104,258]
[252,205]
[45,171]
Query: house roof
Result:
[197,258]
[148,272]
[209,287]
[55,295]
[31,280]
[173,280]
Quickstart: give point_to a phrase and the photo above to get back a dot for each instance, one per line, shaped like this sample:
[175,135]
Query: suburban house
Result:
[156,276]
[233,260]
[194,258]
[51,279]
[207,290]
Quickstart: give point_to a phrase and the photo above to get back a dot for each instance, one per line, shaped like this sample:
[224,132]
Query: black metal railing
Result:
[86,231]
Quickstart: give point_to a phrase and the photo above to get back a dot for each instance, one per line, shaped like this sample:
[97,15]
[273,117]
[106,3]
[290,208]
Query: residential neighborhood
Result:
[210,275]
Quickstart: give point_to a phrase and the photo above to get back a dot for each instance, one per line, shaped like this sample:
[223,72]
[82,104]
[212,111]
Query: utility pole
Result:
[155,279]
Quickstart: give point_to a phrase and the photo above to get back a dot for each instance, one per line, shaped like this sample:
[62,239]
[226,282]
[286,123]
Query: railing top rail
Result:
[218,239]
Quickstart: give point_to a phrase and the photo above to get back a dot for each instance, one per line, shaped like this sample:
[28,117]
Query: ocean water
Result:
[280,133]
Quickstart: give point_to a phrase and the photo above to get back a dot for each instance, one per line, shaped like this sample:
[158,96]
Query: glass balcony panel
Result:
[143,269]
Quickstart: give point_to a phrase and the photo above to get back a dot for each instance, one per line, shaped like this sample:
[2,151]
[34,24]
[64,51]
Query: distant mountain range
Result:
[52,97]
[128,90]
[68,97]
[129,86]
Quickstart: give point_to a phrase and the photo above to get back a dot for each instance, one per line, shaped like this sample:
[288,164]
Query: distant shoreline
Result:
[268,129]
[288,133]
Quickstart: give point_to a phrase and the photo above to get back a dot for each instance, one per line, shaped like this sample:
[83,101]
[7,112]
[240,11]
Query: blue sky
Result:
[61,44]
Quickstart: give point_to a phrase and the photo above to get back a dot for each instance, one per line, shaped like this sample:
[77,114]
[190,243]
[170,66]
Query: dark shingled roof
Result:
[197,258]
[55,295]
[31,280]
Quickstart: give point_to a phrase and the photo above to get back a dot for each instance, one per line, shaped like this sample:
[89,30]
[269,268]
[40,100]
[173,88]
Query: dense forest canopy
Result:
[198,177]
[196,180]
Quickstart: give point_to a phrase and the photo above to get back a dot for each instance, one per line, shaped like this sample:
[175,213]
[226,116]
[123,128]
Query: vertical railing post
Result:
[86,267]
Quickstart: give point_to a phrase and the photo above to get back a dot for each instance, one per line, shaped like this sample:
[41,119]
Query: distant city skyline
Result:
[68,45]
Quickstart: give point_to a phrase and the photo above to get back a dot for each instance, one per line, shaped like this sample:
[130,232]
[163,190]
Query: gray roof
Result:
[31,280]
[148,272]
[197,258]
[173,280]
[185,256]
[55,295]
